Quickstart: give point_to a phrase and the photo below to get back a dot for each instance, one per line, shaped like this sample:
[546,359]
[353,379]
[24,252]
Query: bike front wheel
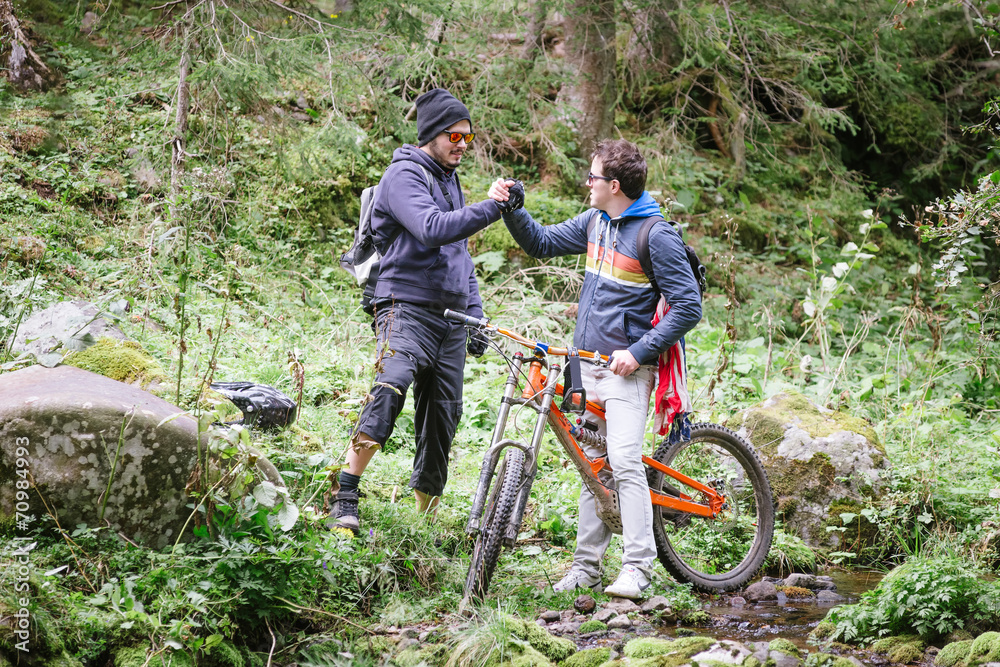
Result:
[724,552]
[489,541]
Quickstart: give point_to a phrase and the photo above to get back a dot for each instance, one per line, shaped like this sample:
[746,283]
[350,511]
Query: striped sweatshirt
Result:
[617,301]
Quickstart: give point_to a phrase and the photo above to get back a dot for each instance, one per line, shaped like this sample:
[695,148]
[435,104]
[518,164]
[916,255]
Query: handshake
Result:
[508,194]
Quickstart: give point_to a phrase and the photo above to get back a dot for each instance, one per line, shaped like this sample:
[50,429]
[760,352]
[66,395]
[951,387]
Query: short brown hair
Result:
[623,162]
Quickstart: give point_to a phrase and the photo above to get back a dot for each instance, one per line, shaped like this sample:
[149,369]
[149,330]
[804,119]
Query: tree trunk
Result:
[25,69]
[588,101]
[535,36]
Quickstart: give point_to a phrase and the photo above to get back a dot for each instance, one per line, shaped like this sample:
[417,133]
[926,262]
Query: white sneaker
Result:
[577,578]
[630,584]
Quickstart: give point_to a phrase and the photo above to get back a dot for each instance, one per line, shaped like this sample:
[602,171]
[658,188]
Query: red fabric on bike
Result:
[672,398]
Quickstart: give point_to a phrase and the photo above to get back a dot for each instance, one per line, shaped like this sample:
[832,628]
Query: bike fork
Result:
[531,462]
[497,445]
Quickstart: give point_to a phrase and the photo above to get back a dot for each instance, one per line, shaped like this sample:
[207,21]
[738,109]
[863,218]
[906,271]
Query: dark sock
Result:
[349,482]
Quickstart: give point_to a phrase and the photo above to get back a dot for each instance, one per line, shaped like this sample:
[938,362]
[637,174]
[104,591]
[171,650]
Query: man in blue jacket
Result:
[617,304]
[421,225]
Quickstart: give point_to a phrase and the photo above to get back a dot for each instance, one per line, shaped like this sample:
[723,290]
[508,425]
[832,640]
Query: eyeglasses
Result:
[455,137]
[592,177]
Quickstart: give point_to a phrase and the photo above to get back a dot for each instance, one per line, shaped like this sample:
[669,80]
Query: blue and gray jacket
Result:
[617,301]
[428,263]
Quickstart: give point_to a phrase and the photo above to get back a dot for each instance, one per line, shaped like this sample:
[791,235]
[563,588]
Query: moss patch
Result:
[131,656]
[784,646]
[823,630]
[124,361]
[985,648]
[592,625]
[435,655]
[553,648]
[796,592]
[531,657]
[591,657]
[955,654]
[903,649]
[679,649]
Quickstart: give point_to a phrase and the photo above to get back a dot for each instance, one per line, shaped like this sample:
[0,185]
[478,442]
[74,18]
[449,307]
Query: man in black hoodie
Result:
[421,224]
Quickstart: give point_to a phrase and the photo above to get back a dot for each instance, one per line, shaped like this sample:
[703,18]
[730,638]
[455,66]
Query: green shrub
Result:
[929,595]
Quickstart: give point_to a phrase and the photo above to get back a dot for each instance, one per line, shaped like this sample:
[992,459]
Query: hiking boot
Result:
[344,512]
[577,578]
[630,584]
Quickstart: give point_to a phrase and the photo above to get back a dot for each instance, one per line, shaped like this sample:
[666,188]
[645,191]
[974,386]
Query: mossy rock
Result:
[434,655]
[680,649]
[827,660]
[955,654]
[121,360]
[985,648]
[752,661]
[531,657]
[593,625]
[823,630]
[814,457]
[554,648]
[902,649]
[784,646]
[591,657]
[796,592]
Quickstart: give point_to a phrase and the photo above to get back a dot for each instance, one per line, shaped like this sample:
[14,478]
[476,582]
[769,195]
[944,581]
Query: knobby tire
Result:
[496,515]
[725,552]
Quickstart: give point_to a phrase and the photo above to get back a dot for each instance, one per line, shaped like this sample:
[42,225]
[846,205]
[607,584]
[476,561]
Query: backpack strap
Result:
[642,249]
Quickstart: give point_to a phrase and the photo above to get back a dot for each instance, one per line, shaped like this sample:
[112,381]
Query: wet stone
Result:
[550,616]
[655,603]
[622,606]
[829,596]
[584,604]
[605,615]
[784,660]
[724,652]
[620,623]
[566,614]
[824,583]
[762,590]
[540,622]
[801,580]
[406,643]
[410,633]
[738,602]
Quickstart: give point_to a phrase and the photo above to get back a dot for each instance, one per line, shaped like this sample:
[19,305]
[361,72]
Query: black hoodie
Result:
[428,263]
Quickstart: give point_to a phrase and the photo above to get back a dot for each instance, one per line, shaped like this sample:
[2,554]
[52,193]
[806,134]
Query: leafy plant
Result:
[931,595]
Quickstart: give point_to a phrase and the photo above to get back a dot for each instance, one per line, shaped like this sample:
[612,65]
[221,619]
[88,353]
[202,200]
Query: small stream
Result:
[787,618]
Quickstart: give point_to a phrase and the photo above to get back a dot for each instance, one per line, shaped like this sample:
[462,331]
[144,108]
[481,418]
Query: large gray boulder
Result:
[73,324]
[821,464]
[98,452]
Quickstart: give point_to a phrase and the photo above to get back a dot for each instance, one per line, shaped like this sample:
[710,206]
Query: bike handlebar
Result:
[484,323]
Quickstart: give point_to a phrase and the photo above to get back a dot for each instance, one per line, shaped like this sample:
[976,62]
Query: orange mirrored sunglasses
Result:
[455,137]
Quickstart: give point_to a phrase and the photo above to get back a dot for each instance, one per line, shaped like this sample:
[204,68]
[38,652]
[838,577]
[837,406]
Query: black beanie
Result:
[437,110]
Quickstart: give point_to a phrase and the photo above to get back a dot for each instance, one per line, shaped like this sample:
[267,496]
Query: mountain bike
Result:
[713,512]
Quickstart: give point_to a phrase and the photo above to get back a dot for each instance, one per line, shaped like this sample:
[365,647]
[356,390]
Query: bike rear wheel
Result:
[496,515]
[724,552]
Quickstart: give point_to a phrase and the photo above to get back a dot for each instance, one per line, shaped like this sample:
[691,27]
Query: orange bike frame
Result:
[557,420]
